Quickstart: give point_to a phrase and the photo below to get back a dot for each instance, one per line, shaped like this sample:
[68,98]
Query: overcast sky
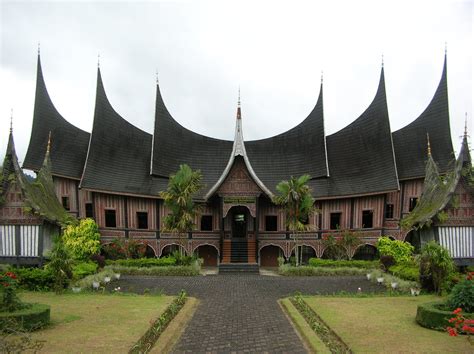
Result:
[204,50]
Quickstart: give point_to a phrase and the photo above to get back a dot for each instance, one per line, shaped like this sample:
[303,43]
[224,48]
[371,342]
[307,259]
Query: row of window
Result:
[271,221]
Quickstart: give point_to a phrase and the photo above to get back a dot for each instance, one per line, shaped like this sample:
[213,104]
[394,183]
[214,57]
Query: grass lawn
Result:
[384,325]
[85,323]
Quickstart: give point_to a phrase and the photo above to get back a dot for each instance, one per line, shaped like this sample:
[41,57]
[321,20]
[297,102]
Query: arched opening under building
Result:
[335,252]
[269,255]
[366,253]
[170,249]
[149,252]
[306,252]
[209,255]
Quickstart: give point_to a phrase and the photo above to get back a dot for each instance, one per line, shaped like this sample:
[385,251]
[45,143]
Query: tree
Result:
[178,198]
[295,196]
[60,265]
[82,240]
[435,263]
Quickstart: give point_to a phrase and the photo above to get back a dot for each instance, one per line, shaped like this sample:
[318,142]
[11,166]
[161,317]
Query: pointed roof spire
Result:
[428,144]
[465,127]
[98,60]
[239,113]
[156,77]
[321,77]
[382,60]
[11,121]
[39,48]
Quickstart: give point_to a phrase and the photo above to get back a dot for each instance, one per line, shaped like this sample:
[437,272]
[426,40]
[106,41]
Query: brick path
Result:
[240,313]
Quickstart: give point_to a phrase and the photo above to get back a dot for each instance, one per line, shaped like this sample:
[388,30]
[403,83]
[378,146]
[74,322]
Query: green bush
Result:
[158,271]
[82,240]
[404,286]
[60,265]
[83,269]
[401,251]
[289,270]
[28,319]
[434,315]
[436,263]
[145,262]
[318,262]
[36,279]
[406,271]
[462,295]
[115,249]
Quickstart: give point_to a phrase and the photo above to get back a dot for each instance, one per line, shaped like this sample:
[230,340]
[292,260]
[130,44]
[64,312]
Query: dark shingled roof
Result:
[301,150]
[410,141]
[174,145]
[69,143]
[361,158]
[118,159]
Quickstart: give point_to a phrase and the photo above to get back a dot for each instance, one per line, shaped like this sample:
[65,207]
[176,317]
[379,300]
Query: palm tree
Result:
[295,196]
[178,197]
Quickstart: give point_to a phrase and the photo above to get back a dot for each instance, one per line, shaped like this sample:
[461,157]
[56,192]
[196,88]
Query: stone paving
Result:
[240,313]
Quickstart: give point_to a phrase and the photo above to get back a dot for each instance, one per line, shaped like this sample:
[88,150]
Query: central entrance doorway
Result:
[239,222]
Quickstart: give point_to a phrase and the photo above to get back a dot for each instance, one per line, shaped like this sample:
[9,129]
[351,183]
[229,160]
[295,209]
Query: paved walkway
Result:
[240,313]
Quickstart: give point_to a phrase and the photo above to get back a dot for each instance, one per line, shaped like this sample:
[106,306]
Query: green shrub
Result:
[35,279]
[60,265]
[31,318]
[318,262]
[436,263]
[115,249]
[83,269]
[145,262]
[86,283]
[401,251]
[404,286]
[82,240]
[462,295]
[406,271]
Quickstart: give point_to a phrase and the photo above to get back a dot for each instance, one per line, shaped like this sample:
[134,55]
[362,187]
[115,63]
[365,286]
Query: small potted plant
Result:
[415,291]
[379,280]
[117,276]
[394,284]
[107,279]
[369,276]
[76,288]
[95,284]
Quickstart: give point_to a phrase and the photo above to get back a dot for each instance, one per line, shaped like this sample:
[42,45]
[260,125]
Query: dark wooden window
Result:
[412,203]
[335,221]
[142,219]
[271,223]
[389,211]
[89,210]
[206,223]
[367,219]
[110,218]
[65,201]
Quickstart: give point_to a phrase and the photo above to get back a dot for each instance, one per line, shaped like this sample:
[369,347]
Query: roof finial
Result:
[382,60]
[321,77]
[39,48]
[48,148]
[238,102]
[465,127]
[445,48]
[11,121]
[98,60]
[429,145]
[156,73]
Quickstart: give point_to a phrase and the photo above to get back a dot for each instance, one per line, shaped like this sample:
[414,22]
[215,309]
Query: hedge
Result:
[28,319]
[432,315]
[318,262]
[319,271]
[83,269]
[144,262]
[163,270]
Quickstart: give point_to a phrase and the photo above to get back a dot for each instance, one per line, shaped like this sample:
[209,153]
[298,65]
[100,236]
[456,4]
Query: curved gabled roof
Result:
[174,145]
[300,150]
[361,158]
[119,153]
[70,143]
[409,141]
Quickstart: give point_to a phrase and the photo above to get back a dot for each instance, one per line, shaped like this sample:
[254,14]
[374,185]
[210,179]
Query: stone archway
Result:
[269,255]
[366,252]
[209,254]
[308,251]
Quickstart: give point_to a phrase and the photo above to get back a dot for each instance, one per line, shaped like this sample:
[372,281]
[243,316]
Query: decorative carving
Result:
[238,182]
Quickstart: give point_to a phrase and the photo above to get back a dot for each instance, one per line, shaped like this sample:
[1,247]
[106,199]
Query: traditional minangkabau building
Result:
[364,178]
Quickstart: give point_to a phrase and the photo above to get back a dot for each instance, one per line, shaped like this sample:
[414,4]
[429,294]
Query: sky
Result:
[203,51]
